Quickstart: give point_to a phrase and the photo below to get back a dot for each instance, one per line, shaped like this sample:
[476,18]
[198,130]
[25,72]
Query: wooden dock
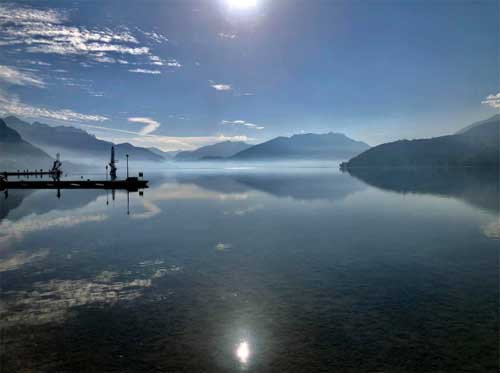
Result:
[131,184]
[28,173]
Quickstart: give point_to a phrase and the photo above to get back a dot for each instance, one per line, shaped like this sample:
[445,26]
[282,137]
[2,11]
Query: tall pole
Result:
[127,164]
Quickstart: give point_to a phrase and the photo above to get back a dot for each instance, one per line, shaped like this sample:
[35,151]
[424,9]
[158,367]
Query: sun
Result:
[242,4]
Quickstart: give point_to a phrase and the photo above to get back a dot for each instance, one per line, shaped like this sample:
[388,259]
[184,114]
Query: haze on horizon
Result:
[183,74]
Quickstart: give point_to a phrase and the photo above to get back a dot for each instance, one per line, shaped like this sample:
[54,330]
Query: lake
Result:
[281,269]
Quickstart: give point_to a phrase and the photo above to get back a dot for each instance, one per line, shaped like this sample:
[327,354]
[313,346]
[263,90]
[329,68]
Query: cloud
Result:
[46,31]
[168,143]
[13,76]
[165,143]
[224,35]
[150,124]
[10,105]
[173,63]
[221,87]
[145,71]
[492,100]
[242,123]
[24,15]
[155,36]
[157,61]
[39,63]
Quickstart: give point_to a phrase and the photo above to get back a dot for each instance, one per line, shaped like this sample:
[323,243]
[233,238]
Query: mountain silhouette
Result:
[75,143]
[223,149]
[168,155]
[16,153]
[475,145]
[305,146]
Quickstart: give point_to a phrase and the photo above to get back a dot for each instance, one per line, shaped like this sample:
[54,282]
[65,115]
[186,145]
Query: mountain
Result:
[305,146]
[75,143]
[475,145]
[17,153]
[166,155]
[220,150]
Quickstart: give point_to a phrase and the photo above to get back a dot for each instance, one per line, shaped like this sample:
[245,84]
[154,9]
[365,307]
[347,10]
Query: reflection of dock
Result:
[131,184]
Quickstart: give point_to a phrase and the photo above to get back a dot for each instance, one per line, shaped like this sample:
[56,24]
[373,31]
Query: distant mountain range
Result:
[18,153]
[304,146]
[166,155]
[475,145]
[75,143]
[220,150]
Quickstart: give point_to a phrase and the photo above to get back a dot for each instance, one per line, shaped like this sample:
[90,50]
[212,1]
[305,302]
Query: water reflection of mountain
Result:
[11,203]
[327,185]
[24,202]
[476,186]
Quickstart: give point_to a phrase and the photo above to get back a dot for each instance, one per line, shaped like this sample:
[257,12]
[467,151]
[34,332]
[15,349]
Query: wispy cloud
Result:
[39,63]
[150,124]
[165,143]
[13,106]
[224,35]
[220,86]
[155,36]
[157,61]
[46,31]
[173,63]
[14,76]
[242,123]
[145,71]
[492,100]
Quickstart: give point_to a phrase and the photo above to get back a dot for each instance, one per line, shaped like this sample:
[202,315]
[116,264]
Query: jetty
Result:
[130,184]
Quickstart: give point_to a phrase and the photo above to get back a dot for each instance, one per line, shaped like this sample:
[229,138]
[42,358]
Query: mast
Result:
[112,164]
[56,171]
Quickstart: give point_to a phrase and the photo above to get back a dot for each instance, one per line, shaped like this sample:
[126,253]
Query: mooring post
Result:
[126,155]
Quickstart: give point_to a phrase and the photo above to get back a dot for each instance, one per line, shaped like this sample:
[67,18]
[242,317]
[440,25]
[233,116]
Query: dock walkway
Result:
[131,184]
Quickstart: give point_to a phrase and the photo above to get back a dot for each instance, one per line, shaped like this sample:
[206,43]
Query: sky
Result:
[183,74]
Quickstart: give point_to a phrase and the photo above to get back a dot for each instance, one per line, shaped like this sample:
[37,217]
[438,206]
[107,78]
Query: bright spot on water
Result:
[243,352]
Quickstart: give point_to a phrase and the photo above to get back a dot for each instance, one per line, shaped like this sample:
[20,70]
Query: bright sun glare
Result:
[242,4]
[243,352]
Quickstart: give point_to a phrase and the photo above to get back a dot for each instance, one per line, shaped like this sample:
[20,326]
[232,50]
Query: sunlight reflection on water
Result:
[243,352]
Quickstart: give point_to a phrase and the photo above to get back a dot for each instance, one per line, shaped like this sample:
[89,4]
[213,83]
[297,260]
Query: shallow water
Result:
[253,269]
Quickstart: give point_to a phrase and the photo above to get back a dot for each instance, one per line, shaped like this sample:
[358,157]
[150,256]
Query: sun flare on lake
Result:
[243,352]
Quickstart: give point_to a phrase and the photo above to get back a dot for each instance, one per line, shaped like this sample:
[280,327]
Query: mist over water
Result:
[254,267]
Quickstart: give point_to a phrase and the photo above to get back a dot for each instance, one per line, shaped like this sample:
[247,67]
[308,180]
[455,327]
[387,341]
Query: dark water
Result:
[290,270]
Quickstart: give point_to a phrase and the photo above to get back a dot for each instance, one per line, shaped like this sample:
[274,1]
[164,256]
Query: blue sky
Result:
[181,74]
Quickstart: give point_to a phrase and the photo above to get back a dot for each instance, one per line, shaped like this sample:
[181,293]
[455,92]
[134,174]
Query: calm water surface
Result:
[287,270]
